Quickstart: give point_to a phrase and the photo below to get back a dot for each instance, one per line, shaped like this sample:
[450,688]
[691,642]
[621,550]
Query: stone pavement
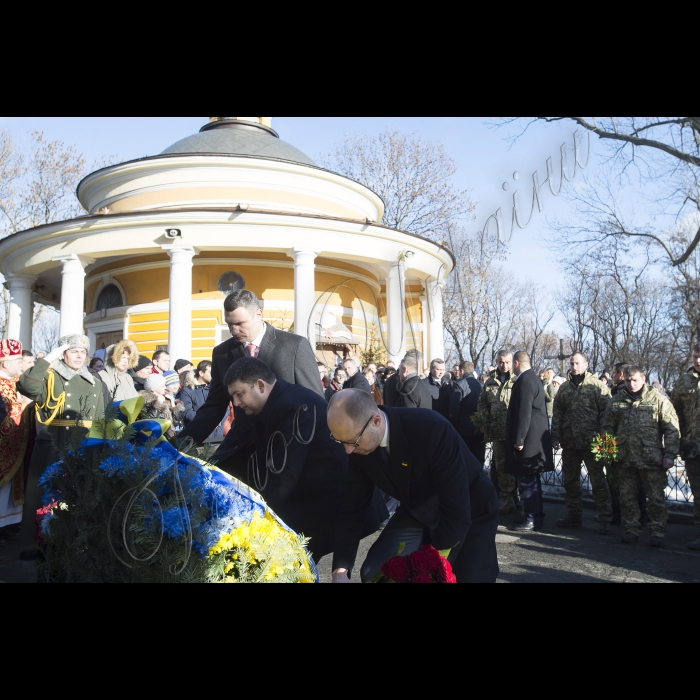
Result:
[581,555]
[553,555]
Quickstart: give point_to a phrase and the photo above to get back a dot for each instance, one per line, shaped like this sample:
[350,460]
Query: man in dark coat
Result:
[528,440]
[289,356]
[356,379]
[467,390]
[297,466]
[417,457]
[441,390]
[411,392]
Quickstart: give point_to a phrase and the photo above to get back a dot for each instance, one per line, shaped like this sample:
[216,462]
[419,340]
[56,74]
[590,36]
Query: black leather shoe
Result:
[527,526]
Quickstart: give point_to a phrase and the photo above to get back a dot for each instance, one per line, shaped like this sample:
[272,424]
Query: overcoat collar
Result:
[400,460]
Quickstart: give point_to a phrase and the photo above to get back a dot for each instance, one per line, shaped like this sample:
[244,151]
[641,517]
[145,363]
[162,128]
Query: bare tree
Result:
[36,188]
[412,174]
[660,155]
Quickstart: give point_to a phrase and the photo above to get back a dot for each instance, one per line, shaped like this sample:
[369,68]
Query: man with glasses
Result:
[417,457]
[297,467]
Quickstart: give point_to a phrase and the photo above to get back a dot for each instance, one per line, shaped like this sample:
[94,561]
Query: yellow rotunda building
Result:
[167,237]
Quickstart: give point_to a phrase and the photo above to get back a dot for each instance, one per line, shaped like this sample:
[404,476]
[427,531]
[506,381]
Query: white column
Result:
[180,320]
[304,292]
[395,313]
[72,293]
[425,320]
[21,309]
[436,333]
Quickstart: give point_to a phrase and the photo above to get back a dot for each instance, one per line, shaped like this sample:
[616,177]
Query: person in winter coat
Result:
[194,393]
[159,404]
[141,372]
[119,359]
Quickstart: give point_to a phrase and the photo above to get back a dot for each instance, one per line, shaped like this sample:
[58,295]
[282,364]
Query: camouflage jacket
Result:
[494,400]
[578,411]
[549,395]
[685,398]
[646,428]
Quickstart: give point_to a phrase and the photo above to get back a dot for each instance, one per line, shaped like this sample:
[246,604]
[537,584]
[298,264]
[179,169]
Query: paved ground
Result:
[582,555]
[551,556]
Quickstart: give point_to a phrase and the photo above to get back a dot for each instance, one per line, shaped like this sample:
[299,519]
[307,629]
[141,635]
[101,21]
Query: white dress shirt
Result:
[258,341]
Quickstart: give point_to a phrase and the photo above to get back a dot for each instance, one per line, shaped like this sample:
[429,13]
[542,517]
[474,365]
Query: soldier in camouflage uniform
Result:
[648,438]
[686,400]
[494,400]
[579,406]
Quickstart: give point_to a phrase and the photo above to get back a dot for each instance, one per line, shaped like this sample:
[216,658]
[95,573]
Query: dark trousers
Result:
[473,561]
[477,446]
[531,491]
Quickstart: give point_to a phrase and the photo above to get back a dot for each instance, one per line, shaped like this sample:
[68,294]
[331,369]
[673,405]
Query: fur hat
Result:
[118,350]
[75,342]
[154,382]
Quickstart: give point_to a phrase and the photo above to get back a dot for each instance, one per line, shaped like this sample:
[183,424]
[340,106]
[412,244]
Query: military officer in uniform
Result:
[686,400]
[494,400]
[579,407]
[648,438]
[68,397]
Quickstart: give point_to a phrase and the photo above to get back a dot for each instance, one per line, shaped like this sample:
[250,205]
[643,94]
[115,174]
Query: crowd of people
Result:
[390,448]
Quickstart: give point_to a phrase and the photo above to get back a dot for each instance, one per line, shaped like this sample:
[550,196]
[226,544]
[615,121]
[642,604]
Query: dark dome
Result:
[240,142]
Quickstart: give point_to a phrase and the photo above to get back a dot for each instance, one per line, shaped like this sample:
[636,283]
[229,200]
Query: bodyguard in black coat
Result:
[297,466]
[357,380]
[415,456]
[467,390]
[528,441]
[289,356]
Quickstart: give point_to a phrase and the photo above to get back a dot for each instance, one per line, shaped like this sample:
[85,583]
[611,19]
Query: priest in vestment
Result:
[15,429]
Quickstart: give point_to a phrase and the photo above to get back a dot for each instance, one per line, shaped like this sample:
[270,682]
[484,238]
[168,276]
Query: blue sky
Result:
[485,159]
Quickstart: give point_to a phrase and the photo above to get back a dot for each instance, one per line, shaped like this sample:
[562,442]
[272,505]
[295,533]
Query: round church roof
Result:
[240,142]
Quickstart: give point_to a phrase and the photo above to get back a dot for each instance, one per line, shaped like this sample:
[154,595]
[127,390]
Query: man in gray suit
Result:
[289,356]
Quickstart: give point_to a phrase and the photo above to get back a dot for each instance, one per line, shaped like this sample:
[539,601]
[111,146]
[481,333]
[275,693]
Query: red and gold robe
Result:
[14,437]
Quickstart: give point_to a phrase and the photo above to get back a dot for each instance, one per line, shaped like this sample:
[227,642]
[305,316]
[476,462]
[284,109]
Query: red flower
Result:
[422,578]
[396,569]
[432,556]
[419,563]
[445,573]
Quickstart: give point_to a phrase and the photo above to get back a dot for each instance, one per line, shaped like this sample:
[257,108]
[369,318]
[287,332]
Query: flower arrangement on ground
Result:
[604,447]
[427,565]
[131,508]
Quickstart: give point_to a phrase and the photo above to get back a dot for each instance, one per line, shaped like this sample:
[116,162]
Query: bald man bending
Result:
[417,457]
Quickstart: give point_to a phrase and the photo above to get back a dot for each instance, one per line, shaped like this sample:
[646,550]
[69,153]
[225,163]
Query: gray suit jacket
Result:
[289,356]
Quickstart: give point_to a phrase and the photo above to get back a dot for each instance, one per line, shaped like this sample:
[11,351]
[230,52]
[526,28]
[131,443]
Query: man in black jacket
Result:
[416,456]
[467,390]
[528,440]
[289,356]
[297,466]
[356,379]
[411,392]
[444,399]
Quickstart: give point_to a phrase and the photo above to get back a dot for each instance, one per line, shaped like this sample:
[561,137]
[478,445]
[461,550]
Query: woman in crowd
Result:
[118,359]
[373,387]
[160,404]
[339,378]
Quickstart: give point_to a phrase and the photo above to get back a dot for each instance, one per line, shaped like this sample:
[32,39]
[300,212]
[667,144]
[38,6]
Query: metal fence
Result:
[678,489]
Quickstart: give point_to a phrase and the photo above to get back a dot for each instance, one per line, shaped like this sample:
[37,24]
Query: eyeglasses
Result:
[359,437]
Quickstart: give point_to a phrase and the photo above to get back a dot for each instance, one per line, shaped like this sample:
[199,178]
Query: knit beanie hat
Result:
[144,362]
[171,378]
[154,382]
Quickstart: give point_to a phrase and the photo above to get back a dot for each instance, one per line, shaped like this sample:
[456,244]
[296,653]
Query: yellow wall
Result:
[150,330]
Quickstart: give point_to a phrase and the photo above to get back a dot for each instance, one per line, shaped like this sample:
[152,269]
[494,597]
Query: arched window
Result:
[110,298]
